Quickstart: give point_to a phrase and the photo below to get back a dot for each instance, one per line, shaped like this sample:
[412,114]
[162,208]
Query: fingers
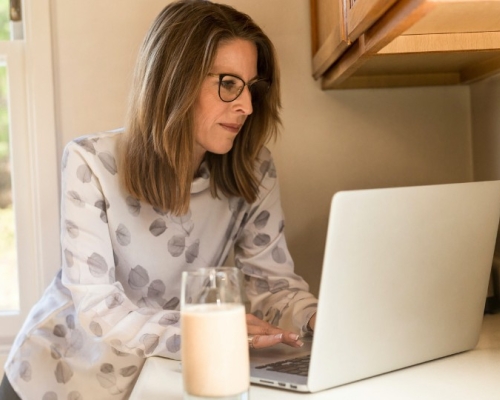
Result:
[262,341]
[263,334]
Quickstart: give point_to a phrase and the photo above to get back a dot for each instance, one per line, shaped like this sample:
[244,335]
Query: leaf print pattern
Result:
[262,239]
[159,211]
[174,343]
[176,245]
[123,235]
[55,352]
[75,396]
[75,198]
[150,342]
[138,277]
[72,229]
[171,304]
[261,220]
[169,319]
[279,285]
[83,173]
[63,372]
[106,380]
[282,226]
[133,205]
[262,286]
[158,227]
[86,144]
[74,342]
[107,368]
[156,289]
[108,161]
[267,167]
[184,221]
[59,330]
[128,371]
[279,255]
[114,300]
[49,396]
[103,205]
[275,316]
[95,328]
[97,265]
[70,321]
[68,256]
[25,371]
[192,252]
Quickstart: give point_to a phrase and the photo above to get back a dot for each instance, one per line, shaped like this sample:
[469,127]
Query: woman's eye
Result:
[228,84]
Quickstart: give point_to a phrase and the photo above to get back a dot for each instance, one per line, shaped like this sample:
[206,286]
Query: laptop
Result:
[404,281]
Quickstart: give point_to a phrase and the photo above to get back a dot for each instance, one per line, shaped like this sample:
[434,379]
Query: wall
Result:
[330,141]
[485,116]
[485,100]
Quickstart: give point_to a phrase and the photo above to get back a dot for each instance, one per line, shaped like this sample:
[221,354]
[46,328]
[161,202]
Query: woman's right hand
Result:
[261,334]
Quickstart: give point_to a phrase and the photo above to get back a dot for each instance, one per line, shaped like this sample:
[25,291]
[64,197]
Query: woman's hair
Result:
[157,146]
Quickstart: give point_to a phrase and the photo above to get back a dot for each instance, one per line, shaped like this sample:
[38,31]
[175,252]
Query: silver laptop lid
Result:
[404,278]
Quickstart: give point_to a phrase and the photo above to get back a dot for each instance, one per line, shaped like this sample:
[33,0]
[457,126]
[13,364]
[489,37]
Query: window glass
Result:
[9,287]
[4,20]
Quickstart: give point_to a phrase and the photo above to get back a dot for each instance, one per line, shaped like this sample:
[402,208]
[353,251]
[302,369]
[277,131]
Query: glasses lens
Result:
[230,87]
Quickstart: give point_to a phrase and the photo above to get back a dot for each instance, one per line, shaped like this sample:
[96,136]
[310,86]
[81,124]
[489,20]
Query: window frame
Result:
[34,162]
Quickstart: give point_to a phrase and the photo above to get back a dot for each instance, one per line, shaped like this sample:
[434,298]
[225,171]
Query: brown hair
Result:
[157,147]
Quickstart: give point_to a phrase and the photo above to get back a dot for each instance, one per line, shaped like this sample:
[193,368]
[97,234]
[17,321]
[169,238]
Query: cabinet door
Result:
[329,39]
[361,14]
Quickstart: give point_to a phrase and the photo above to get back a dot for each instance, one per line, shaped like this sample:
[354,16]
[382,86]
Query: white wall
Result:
[331,140]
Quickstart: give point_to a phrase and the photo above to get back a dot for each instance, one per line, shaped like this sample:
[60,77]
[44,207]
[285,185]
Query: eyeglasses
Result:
[231,86]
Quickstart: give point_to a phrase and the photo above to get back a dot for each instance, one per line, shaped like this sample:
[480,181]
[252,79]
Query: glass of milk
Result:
[214,347]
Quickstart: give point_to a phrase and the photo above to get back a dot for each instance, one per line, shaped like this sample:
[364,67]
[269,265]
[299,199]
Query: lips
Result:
[234,128]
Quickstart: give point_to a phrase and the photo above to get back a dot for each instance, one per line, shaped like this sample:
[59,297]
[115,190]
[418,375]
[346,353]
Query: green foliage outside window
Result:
[9,295]
[5,181]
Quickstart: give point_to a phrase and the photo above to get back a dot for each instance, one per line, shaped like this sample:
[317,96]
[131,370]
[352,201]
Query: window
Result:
[16,212]
[9,284]
[28,143]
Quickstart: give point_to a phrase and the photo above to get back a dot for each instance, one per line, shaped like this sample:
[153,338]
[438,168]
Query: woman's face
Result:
[217,123]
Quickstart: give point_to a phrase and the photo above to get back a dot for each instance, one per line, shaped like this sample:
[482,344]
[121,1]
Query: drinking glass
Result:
[214,350]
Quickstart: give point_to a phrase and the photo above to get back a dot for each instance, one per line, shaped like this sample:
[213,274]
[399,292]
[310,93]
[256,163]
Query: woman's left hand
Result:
[312,322]
[262,334]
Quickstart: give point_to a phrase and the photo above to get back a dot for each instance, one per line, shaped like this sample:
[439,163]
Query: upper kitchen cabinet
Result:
[389,43]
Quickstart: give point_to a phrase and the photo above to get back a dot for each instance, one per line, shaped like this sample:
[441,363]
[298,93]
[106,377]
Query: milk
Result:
[214,350]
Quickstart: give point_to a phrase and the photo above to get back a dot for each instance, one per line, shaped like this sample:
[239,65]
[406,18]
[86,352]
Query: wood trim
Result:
[444,42]
[362,16]
[329,52]
[333,44]
[387,81]
[481,70]
[396,21]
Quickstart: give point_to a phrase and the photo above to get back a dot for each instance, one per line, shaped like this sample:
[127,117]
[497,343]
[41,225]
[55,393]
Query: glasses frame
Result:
[248,84]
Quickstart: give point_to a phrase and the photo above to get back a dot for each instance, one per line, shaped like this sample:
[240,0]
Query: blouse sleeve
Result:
[276,293]
[88,271]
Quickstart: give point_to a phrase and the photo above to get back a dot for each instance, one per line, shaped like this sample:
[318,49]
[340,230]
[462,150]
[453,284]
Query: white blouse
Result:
[116,299]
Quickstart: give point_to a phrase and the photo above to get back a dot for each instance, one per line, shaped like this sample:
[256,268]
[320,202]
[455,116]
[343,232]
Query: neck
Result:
[197,160]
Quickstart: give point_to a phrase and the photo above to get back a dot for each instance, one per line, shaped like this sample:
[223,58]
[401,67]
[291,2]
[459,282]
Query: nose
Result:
[243,103]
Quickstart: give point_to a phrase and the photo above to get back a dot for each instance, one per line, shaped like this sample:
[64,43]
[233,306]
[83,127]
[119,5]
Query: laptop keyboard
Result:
[295,366]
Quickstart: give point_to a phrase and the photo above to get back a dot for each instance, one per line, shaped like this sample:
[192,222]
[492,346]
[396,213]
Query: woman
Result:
[186,180]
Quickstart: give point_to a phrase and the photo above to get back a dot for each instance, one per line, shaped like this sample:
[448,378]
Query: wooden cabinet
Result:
[388,43]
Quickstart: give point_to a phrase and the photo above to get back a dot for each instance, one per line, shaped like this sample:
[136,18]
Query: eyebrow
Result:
[255,78]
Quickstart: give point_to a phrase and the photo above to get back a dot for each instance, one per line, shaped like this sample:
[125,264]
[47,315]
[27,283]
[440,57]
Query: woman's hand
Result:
[262,334]
[312,322]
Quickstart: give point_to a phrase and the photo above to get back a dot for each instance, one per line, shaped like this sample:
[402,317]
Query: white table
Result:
[473,375]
